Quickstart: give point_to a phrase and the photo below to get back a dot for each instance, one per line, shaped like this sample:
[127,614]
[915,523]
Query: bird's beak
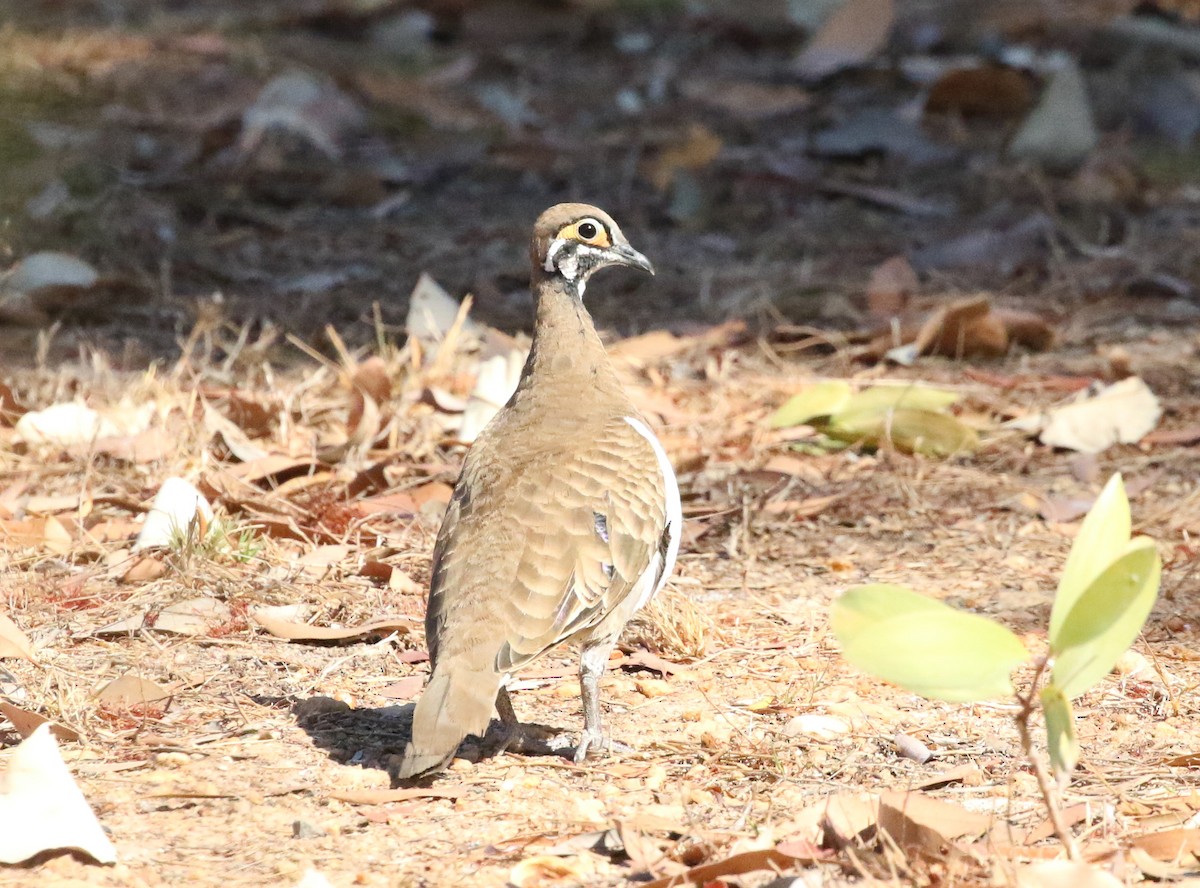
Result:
[623,254]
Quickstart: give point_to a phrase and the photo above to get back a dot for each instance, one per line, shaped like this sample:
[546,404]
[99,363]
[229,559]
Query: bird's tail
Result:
[455,703]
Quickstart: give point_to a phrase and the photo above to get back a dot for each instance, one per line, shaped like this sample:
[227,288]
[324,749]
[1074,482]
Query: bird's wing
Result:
[535,551]
[592,527]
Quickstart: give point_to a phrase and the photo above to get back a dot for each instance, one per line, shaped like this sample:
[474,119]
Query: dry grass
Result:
[759,721]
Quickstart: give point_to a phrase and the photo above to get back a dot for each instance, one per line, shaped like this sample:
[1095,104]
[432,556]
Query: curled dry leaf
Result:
[42,808]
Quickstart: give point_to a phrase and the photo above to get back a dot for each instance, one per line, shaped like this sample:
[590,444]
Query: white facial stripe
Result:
[558,244]
[674,507]
[569,267]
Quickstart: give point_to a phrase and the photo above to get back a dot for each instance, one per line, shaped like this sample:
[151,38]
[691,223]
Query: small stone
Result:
[302,829]
[652,687]
[461,764]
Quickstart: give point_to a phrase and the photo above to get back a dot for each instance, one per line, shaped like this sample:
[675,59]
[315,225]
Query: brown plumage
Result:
[564,521]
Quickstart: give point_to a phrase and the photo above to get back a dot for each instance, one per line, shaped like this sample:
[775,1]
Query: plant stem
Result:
[1049,797]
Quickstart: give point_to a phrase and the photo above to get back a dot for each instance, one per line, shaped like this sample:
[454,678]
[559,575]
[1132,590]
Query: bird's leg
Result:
[592,660]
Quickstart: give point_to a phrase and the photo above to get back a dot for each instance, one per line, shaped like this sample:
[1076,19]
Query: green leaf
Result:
[1060,730]
[909,431]
[882,398]
[1106,618]
[821,399]
[1104,533]
[925,646]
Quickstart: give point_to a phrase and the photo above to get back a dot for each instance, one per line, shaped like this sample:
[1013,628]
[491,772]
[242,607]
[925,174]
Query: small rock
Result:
[652,687]
[302,829]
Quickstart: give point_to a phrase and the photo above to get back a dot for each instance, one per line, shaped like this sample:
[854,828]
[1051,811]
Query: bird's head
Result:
[570,241]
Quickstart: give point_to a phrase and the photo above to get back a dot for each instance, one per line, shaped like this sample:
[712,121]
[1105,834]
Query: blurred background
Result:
[168,167]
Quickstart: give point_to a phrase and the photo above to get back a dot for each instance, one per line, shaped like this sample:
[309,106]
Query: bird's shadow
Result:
[375,738]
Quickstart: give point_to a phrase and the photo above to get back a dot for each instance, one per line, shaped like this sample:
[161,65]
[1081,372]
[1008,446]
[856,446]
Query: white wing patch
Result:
[674,529]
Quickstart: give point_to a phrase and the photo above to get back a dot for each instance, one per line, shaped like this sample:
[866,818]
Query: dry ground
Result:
[237,779]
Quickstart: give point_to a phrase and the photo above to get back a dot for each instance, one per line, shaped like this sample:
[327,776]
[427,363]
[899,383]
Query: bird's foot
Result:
[594,744]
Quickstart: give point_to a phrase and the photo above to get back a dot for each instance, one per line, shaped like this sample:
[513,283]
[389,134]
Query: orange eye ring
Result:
[587,231]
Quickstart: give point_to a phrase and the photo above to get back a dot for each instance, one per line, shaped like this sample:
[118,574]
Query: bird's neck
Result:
[567,355]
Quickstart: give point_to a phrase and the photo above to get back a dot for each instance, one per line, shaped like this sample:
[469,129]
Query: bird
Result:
[565,519]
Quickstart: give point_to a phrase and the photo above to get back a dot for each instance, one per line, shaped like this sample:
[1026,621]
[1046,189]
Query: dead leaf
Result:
[1065,874]
[178,507]
[1171,844]
[14,642]
[852,35]
[982,91]
[1121,413]
[1060,132]
[387,796]
[42,807]
[892,283]
[11,409]
[545,870]
[746,99]
[283,628]
[304,105]
[965,328]
[405,689]
[130,691]
[695,150]
[149,445]
[27,722]
[494,384]
[797,854]
[145,569]
[1173,437]
[914,820]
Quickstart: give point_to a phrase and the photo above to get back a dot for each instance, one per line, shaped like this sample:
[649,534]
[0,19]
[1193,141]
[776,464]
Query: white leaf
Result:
[42,808]
[1122,413]
[1059,132]
[176,506]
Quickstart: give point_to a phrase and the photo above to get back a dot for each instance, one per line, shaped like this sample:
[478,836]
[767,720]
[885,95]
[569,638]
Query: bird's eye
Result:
[587,230]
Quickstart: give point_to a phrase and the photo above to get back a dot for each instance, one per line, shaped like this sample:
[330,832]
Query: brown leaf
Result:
[27,722]
[982,91]
[892,283]
[1174,437]
[149,445]
[10,408]
[145,569]
[916,821]
[371,378]
[130,690]
[1171,844]
[286,629]
[405,689]
[852,34]
[746,99]
[746,862]
[385,796]
[1065,874]
[14,642]
[965,328]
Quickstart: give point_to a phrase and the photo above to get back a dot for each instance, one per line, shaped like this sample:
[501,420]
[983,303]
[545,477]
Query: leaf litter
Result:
[759,749]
